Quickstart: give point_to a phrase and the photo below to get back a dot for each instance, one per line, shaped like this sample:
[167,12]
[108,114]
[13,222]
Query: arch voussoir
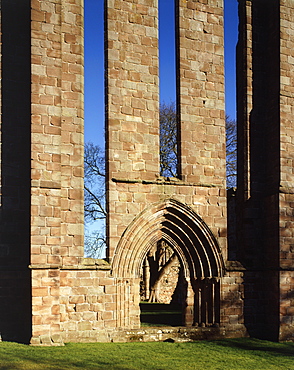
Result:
[190,237]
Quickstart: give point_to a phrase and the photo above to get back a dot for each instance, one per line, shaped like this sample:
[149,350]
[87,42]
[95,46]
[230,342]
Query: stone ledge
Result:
[234,266]
[164,181]
[150,334]
[85,264]
[43,184]
[179,334]
[286,189]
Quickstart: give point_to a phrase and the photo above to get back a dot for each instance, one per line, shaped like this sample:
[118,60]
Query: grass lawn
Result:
[205,355]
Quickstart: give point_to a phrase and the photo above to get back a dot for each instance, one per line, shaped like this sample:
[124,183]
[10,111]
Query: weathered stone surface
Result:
[50,293]
[265,186]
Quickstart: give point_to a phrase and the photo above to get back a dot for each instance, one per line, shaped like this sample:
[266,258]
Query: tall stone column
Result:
[57,132]
[56,155]
[265,228]
[201,92]
[132,111]
[15,156]
[286,197]
[200,68]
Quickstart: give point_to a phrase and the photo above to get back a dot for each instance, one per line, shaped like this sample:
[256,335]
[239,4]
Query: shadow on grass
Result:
[221,354]
[68,357]
[278,349]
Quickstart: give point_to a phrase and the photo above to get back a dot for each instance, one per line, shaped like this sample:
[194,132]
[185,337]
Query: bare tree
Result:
[94,182]
[94,199]
[168,148]
[158,259]
[169,144]
[231,152]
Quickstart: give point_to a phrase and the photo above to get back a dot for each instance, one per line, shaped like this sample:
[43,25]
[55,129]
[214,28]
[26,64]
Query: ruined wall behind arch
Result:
[49,293]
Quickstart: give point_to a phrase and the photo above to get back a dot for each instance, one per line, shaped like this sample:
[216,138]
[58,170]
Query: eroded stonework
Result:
[50,293]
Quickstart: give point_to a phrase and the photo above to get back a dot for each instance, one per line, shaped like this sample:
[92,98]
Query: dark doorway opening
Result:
[161,314]
[162,290]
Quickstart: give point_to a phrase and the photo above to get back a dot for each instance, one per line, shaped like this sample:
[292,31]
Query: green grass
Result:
[205,355]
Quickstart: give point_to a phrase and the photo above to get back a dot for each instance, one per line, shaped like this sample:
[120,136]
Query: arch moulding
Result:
[182,229]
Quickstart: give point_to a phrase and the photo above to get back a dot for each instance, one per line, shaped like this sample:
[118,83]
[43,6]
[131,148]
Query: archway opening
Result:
[169,234]
[162,287]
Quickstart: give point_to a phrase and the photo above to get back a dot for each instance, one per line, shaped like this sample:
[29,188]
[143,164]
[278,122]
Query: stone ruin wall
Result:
[65,296]
[70,300]
[133,113]
[133,142]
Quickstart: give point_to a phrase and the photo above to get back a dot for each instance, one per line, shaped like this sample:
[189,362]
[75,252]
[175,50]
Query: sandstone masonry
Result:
[50,293]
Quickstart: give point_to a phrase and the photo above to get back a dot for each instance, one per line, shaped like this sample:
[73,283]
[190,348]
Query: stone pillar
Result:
[244,95]
[57,132]
[286,197]
[56,152]
[201,92]
[190,308]
[200,69]
[15,156]
[265,225]
[127,305]
[132,110]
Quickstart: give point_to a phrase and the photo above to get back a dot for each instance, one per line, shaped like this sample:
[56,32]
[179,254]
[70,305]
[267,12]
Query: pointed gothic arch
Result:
[180,227]
[196,248]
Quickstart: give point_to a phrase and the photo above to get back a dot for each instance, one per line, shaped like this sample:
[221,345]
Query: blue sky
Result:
[94,62]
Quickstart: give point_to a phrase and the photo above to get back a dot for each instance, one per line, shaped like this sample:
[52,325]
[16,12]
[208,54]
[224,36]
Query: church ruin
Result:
[50,293]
